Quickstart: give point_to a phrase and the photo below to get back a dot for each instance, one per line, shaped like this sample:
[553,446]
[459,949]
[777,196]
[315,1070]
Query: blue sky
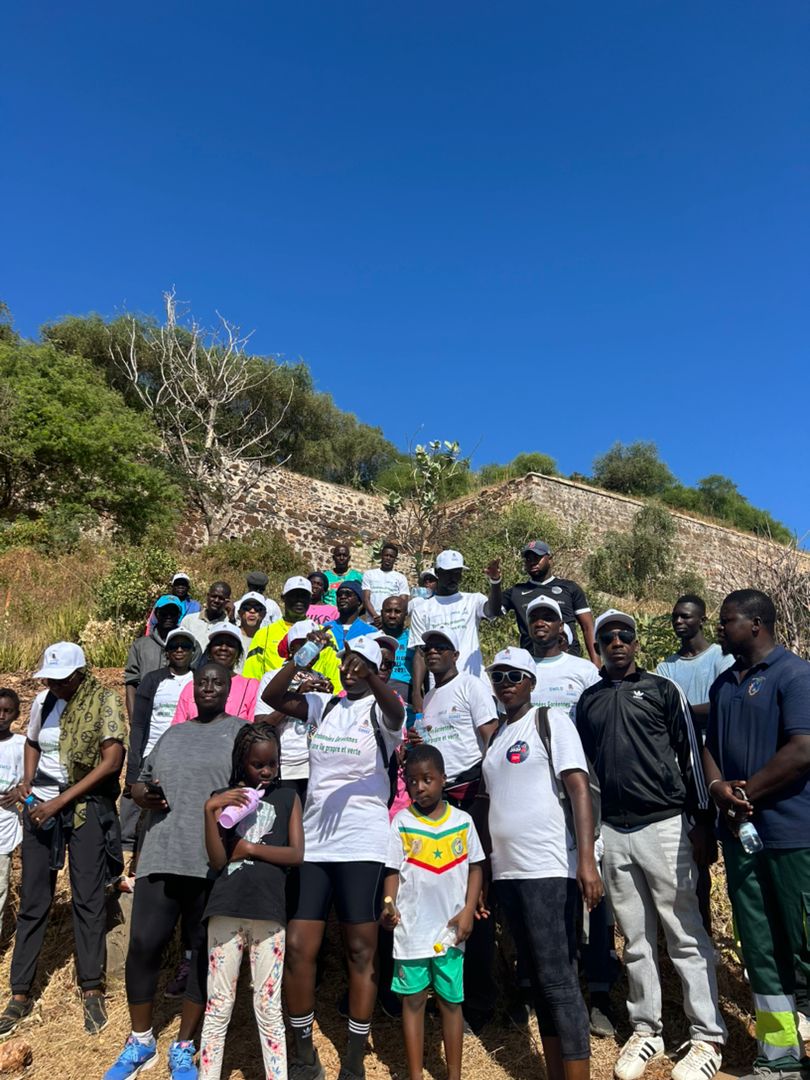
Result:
[540,226]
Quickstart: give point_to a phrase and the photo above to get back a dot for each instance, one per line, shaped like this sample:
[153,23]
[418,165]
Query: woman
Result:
[224,647]
[73,756]
[173,877]
[536,863]
[345,838]
[251,610]
[156,699]
[319,610]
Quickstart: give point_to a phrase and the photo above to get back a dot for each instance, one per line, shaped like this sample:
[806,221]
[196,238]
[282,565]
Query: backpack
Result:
[544,731]
[390,763]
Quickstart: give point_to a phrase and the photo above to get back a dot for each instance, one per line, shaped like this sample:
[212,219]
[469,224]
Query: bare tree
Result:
[204,393]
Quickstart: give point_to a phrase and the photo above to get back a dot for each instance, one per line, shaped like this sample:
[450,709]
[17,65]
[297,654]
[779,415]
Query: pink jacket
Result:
[241,700]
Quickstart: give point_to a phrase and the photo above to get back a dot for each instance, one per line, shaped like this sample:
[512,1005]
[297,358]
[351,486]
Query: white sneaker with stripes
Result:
[701,1063]
[639,1050]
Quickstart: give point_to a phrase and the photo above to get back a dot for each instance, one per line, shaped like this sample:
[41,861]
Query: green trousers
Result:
[770,896]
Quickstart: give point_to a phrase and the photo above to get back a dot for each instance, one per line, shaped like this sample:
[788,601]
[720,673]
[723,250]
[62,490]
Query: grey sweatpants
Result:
[650,874]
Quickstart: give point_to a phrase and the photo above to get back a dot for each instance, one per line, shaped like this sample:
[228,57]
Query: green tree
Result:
[70,446]
[632,470]
[533,462]
[8,335]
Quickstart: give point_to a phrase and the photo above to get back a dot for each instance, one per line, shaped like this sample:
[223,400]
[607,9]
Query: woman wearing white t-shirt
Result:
[345,842]
[538,867]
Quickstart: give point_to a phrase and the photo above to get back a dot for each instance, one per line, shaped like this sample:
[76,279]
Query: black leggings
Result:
[542,917]
[159,901]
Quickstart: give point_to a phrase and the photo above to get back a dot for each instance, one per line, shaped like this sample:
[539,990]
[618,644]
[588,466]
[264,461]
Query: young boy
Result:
[434,876]
[11,774]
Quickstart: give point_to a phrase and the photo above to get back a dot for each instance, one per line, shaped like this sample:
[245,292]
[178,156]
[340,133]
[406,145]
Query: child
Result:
[434,875]
[246,909]
[11,774]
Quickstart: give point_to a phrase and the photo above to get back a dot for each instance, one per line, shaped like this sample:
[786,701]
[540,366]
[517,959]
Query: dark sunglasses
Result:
[387,665]
[437,647]
[184,645]
[627,636]
[251,607]
[516,677]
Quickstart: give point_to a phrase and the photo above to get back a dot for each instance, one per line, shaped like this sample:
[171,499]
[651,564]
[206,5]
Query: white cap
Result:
[429,571]
[61,660]
[255,596]
[220,628]
[180,576]
[612,615]
[179,632]
[569,637]
[299,630]
[544,602]
[297,582]
[367,647]
[446,632]
[517,659]
[450,560]
[384,639]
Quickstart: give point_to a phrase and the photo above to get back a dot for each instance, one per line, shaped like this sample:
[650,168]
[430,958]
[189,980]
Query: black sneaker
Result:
[13,1013]
[95,1013]
[297,1070]
[602,1023]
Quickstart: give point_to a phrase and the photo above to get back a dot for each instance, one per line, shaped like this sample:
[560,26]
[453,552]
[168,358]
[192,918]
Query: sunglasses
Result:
[627,636]
[387,665]
[515,677]
[437,647]
[173,646]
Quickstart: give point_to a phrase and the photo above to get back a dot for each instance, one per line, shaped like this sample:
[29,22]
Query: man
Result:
[264,655]
[257,582]
[348,624]
[568,594]
[218,607]
[394,611]
[637,731]
[460,717]
[378,584]
[757,760]
[449,609]
[148,653]
[340,572]
[179,587]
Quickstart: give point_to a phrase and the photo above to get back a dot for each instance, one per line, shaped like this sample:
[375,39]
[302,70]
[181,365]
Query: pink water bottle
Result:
[233,814]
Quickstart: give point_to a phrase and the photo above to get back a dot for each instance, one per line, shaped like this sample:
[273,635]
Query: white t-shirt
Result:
[164,704]
[382,584]
[433,860]
[293,737]
[454,712]
[11,773]
[50,766]
[346,813]
[461,612]
[561,680]
[526,820]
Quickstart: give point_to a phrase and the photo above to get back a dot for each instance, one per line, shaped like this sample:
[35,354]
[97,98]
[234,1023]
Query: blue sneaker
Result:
[181,1061]
[134,1057]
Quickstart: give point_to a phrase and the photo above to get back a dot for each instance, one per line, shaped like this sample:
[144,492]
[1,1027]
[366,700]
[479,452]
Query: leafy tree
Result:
[533,462]
[632,470]
[8,335]
[70,448]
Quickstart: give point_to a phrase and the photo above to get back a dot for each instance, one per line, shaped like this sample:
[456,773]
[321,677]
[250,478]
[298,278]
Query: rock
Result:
[15,1055]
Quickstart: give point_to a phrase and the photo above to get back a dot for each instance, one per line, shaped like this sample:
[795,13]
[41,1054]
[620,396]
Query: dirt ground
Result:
[502,1052]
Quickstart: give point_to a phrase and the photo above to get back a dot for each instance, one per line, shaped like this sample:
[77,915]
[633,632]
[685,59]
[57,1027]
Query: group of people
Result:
[349,749]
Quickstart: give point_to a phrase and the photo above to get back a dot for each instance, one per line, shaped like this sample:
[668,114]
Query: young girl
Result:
[246,909]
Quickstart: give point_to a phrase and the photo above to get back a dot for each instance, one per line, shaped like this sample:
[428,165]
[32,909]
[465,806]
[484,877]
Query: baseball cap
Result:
[61,660]
[367,647]
[181,577]
[518,659]
[536,547]
[612,615]
[544,602]
[450,560]
[384,639]
[427,572]
[164,601]
[256,597]
[442,631]
[355,587]
[257,580]
[226,629]
[297,582]
[179,632]
[299,630]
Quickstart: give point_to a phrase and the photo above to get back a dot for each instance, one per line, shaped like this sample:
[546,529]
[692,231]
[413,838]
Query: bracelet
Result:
[711,785]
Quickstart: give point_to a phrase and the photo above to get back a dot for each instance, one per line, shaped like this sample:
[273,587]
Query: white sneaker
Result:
[639,1050]
[804,1027]
[701,1063]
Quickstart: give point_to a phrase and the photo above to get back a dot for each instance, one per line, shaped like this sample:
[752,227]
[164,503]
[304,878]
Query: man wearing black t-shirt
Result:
[568,594]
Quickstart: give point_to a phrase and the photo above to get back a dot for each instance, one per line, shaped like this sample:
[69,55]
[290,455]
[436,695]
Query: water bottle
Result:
[420,727]
[446,940]
[419,592]
[231,815]
[30,801]
[308,652]
[749,838]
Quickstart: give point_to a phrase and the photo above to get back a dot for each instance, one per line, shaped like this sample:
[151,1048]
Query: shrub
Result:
[138,577]
[633,470]
[262,549]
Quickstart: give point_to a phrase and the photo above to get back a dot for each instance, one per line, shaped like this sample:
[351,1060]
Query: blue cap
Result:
[164,601]
[355,586]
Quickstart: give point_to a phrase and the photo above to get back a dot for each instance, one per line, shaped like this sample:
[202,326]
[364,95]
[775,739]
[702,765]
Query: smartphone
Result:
[156,789]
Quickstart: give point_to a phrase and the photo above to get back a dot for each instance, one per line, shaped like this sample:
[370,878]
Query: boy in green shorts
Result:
[432,884]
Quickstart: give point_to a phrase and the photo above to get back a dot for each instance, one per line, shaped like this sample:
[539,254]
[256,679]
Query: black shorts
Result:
[355,888]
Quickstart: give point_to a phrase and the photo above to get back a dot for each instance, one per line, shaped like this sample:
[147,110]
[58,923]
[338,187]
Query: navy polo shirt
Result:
[748,722]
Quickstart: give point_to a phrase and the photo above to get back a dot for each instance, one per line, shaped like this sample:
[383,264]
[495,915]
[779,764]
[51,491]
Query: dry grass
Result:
[61,1048]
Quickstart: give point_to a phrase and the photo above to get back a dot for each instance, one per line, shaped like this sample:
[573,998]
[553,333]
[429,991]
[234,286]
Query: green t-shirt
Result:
[337,579]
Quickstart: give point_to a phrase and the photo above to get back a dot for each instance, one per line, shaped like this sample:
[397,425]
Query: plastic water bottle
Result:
[446,940]
[420,727]
[30,801]
[419,592]
[749,838]
[308,652]
[231,815]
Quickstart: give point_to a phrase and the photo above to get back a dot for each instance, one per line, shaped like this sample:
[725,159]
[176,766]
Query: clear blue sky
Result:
[524,226]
